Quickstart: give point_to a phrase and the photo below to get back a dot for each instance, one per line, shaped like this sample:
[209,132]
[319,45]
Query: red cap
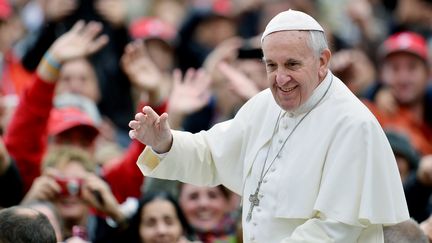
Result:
[62,119]
[5,9]
[408,42]
[148,27]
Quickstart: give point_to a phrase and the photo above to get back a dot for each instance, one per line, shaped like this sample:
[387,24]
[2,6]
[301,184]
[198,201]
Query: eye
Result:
[270,66]
[292,65]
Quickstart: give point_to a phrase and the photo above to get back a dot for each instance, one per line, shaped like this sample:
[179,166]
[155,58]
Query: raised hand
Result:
[226,51]
[140,69]
[151,129]
[240,84]
[191,93]
[80,41]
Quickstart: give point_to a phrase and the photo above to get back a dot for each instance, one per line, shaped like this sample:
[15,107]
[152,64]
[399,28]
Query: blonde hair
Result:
[61,155]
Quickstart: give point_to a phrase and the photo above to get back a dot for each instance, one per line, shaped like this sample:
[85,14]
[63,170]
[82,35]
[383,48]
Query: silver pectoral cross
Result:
[254,200]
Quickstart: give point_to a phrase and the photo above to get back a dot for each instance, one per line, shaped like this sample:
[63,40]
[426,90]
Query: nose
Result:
[161,228]
[203,201]
[282,77]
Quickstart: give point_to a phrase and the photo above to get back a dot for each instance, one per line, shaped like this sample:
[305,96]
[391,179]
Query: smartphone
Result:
[249,53]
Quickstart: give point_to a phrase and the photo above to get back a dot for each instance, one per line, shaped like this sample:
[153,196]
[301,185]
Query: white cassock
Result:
[335,180]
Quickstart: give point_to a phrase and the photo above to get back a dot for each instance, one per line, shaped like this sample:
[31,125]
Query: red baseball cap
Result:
[65,118]
[5,9]
[408,42]
[149,27]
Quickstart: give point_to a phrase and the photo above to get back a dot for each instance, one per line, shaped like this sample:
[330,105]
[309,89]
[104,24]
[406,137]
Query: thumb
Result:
[163,119]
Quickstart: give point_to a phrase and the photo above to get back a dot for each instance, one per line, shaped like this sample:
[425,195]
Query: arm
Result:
[26,137]
[324,230]
[125,167]
[34,108]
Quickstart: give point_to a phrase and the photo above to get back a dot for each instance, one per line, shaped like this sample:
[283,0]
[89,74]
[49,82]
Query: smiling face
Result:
[204,207]
[407,77]
[294,70]
[160,223]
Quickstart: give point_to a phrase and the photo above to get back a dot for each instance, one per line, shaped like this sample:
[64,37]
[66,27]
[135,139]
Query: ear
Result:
[324,62]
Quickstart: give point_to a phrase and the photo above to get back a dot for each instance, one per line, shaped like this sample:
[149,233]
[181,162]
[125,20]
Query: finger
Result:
[203,78]
[134,125]
[78,26]
[91,30]
[163,121]
[152,116]
[97,44]
[177,75]
[127,54]
[133,134]
[140,117]
[189,76]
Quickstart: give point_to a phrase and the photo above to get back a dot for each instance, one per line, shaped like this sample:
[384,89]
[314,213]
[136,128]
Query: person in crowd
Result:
[405,232]
[407,158]
[405,77]
[276,149]
[25,225]
[52,214]
[158,219]
[66,124]
[355,68]
[69,181]
[210,212]
[58,17]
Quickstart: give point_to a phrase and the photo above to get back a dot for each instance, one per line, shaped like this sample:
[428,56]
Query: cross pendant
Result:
[254,200]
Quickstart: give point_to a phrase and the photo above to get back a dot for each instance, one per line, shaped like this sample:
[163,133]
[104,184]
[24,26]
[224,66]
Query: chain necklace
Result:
[253,198]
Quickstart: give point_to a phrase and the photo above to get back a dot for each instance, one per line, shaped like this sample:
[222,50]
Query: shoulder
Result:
[343,108]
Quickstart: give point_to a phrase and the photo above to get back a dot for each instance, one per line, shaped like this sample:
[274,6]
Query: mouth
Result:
[204,216]
[287,90]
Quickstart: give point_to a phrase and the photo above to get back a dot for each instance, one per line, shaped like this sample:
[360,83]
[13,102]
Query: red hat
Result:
[148,27]
[408,42]
[65,118]
[5,9]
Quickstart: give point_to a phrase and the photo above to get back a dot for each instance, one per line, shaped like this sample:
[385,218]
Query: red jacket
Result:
[26,139]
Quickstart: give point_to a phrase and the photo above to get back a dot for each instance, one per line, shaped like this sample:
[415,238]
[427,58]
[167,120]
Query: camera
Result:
[250,53]
[69,186]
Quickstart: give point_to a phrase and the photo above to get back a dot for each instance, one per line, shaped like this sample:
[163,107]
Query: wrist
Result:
[164,147]
[49,68]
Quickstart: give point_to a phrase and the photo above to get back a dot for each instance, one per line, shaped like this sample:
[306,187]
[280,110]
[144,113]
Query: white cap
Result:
[291,20]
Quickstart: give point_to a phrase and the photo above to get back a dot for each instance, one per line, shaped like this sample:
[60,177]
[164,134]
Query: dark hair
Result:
[225,191]
[25,225]
[37,205]
[133,231]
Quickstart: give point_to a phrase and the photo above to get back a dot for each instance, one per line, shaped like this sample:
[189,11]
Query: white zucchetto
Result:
[291,20]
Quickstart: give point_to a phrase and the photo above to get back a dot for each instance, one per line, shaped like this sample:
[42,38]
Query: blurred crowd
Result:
[74,72]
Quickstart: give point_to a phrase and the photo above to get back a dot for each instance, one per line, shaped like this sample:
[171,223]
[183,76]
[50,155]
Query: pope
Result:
[311,162]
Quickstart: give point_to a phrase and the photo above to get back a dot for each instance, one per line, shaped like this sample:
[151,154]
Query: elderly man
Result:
[310,161]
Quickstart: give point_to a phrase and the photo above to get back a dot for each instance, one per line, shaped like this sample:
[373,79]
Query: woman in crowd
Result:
[211,212]
[158,219]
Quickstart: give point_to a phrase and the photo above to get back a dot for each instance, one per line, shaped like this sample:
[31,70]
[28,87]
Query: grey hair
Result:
[317,41]
[408,231]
